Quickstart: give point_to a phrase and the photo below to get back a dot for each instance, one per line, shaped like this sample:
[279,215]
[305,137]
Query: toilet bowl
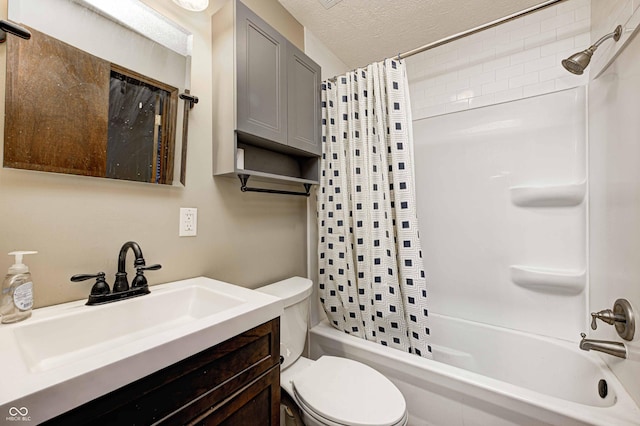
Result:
[330,391]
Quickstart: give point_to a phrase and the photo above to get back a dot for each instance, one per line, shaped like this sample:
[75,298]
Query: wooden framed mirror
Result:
[90,95]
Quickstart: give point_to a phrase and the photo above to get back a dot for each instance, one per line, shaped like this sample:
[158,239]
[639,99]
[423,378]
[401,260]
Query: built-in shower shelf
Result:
[567,195]
[565,281]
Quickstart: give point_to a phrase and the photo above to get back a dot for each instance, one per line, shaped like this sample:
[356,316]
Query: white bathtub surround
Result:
[614,179]
[502,211]
[371,279]
[518,59]
[482,375]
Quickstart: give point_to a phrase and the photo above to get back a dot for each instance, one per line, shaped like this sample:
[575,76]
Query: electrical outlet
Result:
[188,222]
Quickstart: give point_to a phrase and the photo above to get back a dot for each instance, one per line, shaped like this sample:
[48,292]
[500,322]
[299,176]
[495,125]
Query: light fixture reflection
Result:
[193,5]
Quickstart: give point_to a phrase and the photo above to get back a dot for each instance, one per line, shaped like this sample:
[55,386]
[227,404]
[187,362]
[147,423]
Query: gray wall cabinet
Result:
[261,64]
[266,101]
[303,93]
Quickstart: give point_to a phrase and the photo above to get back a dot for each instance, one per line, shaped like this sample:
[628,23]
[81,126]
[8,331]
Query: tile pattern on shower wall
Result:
[515,60]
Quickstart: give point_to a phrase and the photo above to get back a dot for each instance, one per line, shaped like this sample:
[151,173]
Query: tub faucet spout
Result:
[608,347]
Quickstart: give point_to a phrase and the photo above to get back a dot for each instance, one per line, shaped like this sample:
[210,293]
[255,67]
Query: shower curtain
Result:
[371,279]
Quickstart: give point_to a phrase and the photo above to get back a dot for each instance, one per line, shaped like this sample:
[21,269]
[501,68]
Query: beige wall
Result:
[279,18]
[331,66]
[79,223]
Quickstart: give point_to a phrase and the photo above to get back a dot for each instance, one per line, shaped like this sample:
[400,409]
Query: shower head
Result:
[577,62]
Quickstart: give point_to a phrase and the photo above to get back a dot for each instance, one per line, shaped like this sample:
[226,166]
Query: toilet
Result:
[330,391]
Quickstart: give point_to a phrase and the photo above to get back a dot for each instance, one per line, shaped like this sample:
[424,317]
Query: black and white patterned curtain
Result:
[372,281]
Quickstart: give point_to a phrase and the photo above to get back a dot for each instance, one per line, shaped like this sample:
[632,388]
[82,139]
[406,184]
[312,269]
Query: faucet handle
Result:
[149,268]
[606,315]
[100,286]
[140,280]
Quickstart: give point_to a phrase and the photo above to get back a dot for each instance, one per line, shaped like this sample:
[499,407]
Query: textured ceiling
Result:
[363,31]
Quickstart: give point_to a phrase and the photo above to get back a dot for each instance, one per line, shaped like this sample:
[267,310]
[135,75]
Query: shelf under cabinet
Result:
[276,164]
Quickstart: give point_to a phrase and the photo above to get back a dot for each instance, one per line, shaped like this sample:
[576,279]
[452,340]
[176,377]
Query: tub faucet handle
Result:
[606,315]
[621,317]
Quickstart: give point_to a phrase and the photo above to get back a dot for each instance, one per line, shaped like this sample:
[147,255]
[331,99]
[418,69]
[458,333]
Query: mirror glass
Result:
[95,90]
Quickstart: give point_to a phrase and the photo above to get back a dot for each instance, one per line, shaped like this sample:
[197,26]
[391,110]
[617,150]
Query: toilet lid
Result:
[348,392]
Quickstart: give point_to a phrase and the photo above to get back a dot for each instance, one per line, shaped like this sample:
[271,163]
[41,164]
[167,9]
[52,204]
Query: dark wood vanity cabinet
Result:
[236,382]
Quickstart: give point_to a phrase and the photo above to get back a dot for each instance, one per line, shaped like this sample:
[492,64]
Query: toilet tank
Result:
[295,293]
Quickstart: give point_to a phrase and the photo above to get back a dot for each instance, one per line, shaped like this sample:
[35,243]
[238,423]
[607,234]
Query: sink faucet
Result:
[121,283]
[101,293]
[608,347]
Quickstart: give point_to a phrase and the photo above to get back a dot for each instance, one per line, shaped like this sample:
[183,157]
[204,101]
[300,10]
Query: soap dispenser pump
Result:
[17,291]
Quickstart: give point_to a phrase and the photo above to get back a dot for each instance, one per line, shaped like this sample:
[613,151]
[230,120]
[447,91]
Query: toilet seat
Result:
[309,413]
[340,391]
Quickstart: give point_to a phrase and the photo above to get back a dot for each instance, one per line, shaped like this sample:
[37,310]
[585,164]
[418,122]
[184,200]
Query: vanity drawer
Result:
[256,403]
[184,391]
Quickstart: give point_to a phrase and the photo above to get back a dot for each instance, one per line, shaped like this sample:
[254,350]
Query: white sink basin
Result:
[69,354]
[95,329]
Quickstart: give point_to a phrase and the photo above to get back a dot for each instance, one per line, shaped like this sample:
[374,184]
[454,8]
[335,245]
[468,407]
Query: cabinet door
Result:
[261,77]
[303,93]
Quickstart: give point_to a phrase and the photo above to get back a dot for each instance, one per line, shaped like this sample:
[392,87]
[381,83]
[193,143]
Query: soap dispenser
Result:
[17,291]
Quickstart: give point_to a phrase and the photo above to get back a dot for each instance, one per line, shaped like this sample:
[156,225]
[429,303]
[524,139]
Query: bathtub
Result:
[485,375]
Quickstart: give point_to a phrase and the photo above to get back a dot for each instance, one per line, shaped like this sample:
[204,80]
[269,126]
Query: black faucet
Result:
[122,284]
[101,293]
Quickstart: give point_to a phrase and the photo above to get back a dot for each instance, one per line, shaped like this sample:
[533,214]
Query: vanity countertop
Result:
[68,354]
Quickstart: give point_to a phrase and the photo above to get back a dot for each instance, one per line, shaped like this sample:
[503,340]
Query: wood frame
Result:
[57,109]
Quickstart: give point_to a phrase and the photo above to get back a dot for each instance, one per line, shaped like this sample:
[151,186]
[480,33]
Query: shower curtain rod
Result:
[474,30]
[479,28]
